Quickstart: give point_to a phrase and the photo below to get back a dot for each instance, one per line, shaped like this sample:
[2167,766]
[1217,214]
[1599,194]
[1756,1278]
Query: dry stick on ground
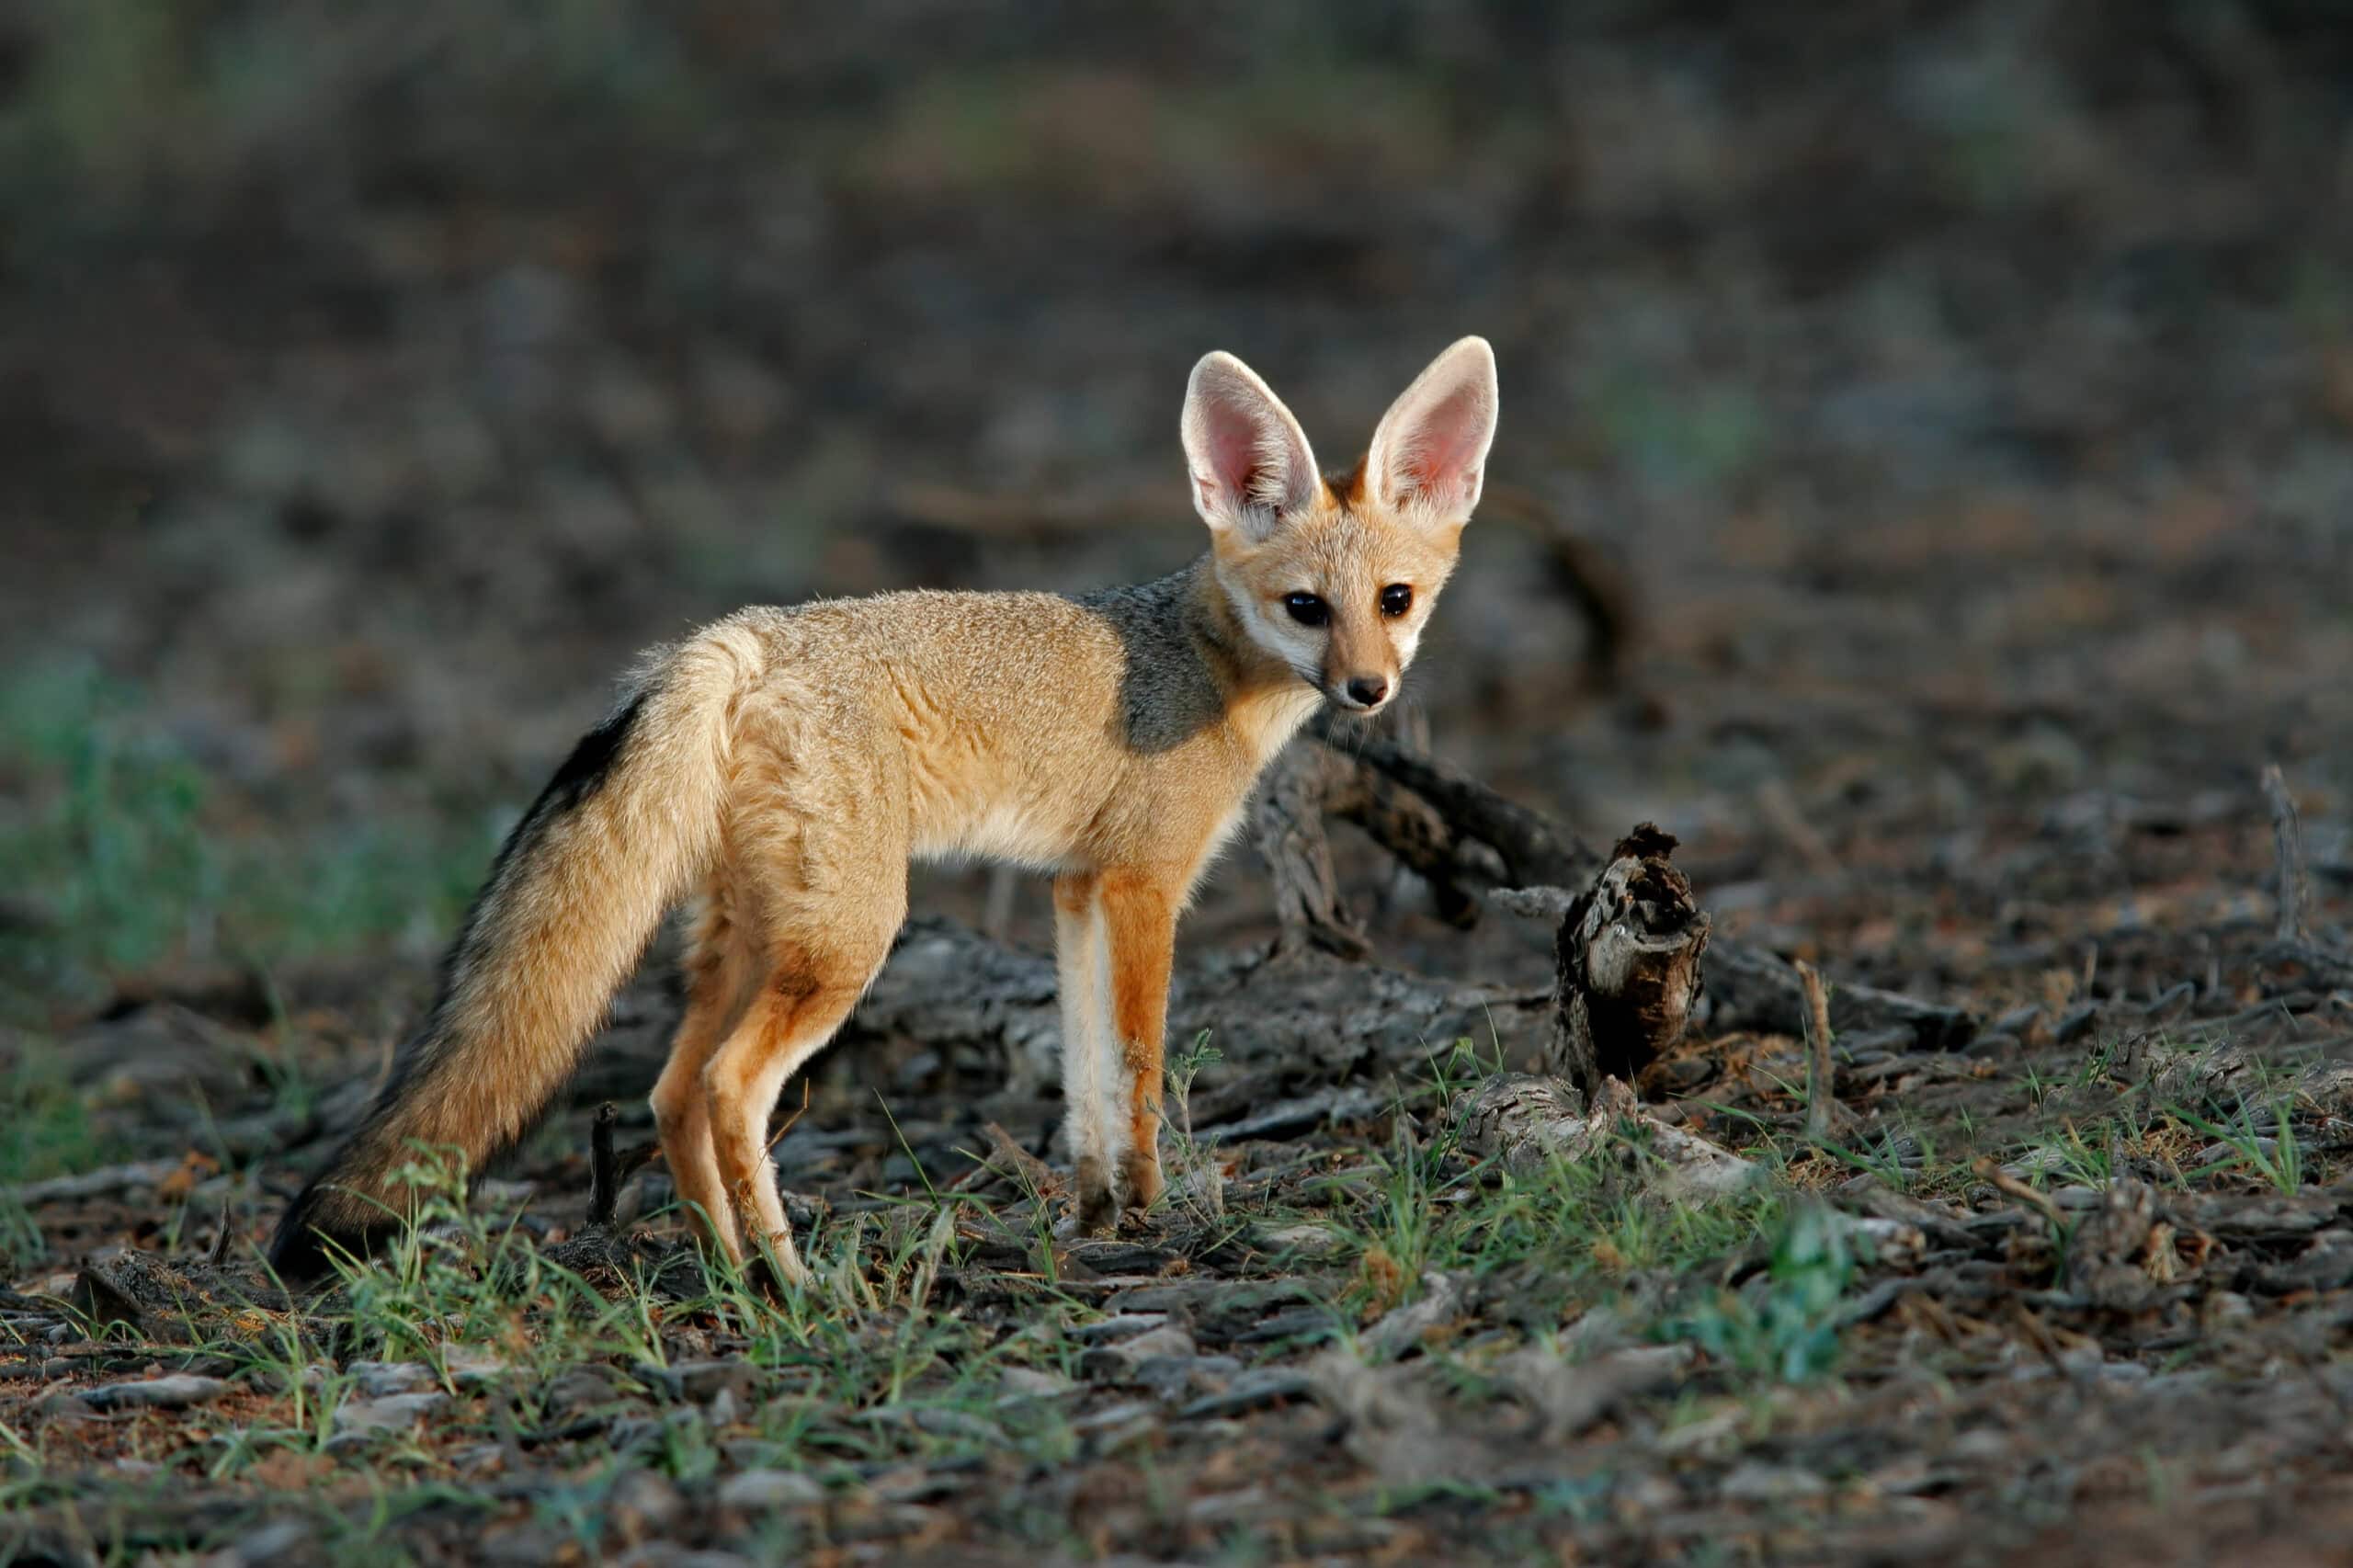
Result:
[1410,829]
[1822,1108]
[1750,987]
[1626,951]
[609,1172]
[2294,941]
[1021,1162]
[219,1251]
[1988,1170]
[2287,846]
[777,1136]
[1535,852]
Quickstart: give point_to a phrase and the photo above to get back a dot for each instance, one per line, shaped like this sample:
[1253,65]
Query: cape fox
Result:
[783,767]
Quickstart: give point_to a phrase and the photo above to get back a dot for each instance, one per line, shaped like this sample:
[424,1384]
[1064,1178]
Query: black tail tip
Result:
[311,1237]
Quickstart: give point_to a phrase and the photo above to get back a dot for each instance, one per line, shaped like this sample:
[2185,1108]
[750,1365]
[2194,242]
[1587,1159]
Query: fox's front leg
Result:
[1087,1051]
[1140,930]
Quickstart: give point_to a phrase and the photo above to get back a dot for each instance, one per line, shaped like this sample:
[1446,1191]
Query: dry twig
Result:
[1988,1170]
[777,1136]
[609,1172]
[1822,1108]
[2287,846]
[2294,941]
[1040,1176]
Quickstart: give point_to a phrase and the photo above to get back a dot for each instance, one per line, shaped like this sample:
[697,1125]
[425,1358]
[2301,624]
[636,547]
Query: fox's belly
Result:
[1015,832]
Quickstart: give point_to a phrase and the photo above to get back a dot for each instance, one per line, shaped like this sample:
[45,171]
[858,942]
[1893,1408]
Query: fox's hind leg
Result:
[830,893]
[803,1001]
[718,970]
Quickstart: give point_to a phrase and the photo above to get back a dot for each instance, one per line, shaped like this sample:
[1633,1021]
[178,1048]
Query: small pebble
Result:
[359,1419]
[758,1489]
[155,1393]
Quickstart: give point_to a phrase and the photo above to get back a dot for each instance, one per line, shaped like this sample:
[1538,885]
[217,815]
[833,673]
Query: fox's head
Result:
[1335,577]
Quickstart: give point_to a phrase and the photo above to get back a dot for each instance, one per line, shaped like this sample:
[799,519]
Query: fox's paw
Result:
[1140,1176]
[778,1267]
[1097,1211]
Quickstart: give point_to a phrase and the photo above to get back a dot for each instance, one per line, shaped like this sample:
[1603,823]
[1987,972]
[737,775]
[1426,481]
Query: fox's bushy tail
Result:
[628,826]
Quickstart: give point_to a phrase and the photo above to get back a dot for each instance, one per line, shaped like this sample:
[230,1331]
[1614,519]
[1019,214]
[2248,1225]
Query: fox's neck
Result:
[1240,668]
[1265,699]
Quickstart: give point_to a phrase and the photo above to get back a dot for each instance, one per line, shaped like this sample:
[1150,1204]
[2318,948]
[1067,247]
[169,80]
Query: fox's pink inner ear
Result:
[1250,461]
[1451,446]
[1430,452]
[1239,463]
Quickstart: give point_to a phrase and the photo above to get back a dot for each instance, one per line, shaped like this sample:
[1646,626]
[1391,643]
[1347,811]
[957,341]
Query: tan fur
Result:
[790,763]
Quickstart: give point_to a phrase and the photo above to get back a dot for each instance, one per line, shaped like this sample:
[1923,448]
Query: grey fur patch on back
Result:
[1167,691]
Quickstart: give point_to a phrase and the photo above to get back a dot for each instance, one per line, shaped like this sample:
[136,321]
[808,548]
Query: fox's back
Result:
[1019,726]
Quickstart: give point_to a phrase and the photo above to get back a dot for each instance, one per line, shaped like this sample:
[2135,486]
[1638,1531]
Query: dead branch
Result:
[1528,1121]
[2287,846]
[218,1253]
[1989,1170]
[1535,903]
[1326,1021]
[1821,1107]
[1033,1171]
[1409,828]
[2323,966]
[609,1172]
[1287,828]
[777,1136]
[1534,851]
[2294,941]
[1752,988]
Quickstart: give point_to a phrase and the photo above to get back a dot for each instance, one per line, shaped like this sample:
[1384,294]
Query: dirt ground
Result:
[1925,488]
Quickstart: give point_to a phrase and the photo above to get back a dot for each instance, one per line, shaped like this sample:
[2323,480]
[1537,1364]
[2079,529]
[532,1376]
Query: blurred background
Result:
[1927,425]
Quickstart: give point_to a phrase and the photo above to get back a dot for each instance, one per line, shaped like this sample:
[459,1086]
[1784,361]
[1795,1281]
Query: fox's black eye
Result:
[1396,599]
[1307,610]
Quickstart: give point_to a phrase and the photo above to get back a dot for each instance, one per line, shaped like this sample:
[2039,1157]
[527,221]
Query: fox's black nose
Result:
[1366,690]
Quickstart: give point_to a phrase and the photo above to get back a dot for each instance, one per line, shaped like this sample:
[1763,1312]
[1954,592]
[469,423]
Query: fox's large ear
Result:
[1429,456]
[1250,459]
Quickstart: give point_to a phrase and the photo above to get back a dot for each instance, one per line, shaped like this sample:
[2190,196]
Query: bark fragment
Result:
[1627,958]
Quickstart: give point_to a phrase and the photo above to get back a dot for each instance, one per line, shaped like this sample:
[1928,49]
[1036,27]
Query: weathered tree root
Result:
[1287,829]
[1527,1122]
[1747,987]
[2294,944]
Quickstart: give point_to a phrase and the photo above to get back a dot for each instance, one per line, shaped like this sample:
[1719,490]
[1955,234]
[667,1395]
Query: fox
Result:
[779,770]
